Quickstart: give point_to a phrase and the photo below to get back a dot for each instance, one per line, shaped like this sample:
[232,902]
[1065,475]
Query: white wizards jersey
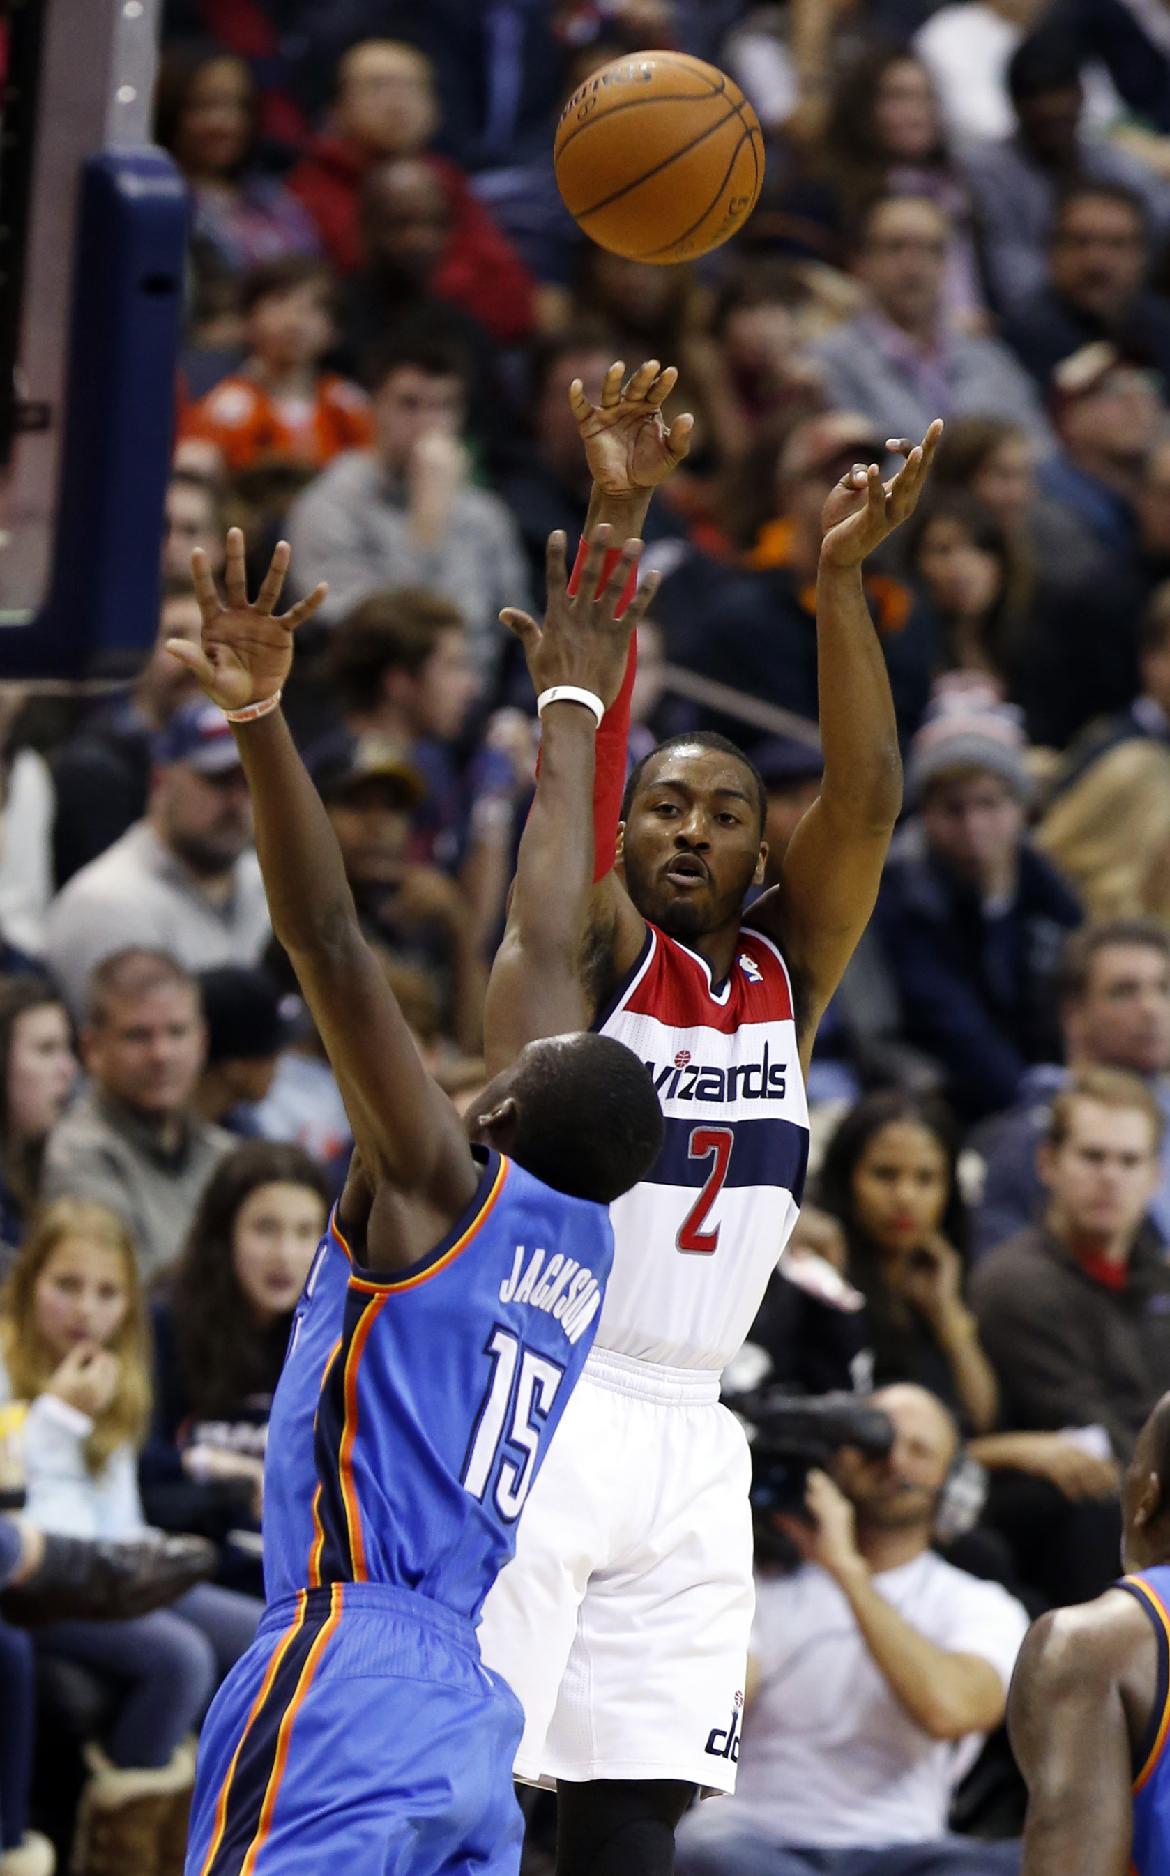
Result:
[696,1242]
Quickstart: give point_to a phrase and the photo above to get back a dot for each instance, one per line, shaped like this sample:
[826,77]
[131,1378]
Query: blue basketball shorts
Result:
[361,1735]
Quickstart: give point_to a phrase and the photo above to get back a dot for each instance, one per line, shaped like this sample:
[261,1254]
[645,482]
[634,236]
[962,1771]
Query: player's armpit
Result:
[1071,1736]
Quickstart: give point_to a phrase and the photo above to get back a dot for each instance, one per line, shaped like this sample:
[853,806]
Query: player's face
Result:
[276,1231]
[41,1071]
[80,1296]
[1123,1019]
[1102,1176]
[691,847]
[148,1053]
[901,1491]
[900,1186]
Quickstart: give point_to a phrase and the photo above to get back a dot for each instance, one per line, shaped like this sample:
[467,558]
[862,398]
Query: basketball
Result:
[659,157]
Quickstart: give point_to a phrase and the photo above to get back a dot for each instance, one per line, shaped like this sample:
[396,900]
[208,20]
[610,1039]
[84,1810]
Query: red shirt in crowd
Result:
[250,425]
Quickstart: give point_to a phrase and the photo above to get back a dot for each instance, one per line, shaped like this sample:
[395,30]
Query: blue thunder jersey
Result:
[1151,1789]
[415,1410]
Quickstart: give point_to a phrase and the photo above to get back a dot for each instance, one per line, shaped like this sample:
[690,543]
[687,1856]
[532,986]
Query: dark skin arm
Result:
[536,985]
[413,1148]
[1080,1700]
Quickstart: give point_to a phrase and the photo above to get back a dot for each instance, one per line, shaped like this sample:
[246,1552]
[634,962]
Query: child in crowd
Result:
[220,1332]
[280,404]
[73,1350]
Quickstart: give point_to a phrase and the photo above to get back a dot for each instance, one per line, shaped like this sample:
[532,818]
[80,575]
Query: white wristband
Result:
[570,693]
[251,712]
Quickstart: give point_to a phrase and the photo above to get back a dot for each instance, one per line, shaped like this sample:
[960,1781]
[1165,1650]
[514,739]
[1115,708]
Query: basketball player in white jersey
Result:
[622,1623]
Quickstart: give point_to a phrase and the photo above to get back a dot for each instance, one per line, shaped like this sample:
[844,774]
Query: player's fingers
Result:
[234,580]
[521,625]
[578,402]
[678,437]
[194,657]
[899,445]
[611,384]
[591,572]
[306,607]
[642,601]
[273,581]
[662,386]
[619,579]
[204,584]
[641,381]
[875,487]
[555,570]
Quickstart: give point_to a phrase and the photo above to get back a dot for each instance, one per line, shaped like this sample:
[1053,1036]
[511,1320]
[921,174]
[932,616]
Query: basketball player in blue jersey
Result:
[1089,1710]
[444,1323]
[622,1623]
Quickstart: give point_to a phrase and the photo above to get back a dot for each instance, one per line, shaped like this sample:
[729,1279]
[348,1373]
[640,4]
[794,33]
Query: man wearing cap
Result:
[1107,413]
[970,917]
[765,644]
[184,879]
[246,1033]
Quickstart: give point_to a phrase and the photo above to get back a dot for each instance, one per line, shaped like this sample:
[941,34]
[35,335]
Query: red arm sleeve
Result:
[613,737]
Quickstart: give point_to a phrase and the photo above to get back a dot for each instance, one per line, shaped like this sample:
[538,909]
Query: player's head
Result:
[692,836]
[577,1111]
[1145,1494]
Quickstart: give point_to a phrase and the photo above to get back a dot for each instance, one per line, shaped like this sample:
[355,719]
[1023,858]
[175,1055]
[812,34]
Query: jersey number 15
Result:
[519,1397]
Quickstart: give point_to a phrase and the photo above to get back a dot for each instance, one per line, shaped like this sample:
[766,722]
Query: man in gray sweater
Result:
[405,513]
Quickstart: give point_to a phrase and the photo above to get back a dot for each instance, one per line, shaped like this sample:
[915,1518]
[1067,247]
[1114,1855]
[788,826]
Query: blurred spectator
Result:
[970,916]
[890,1174]
[1109,833]
[405,514]
[1096,286]
[763,314]
[967,47]
[194,518]
[1019,181]
[978,582]
[875,1670]
[304,1104]
[1106,412]
[280,403]
[246,1032]
[133,1140]
[1075,1312]
[1148,714]
[903,362]
[884,132]
[184,879]
[37,1071]
[73,1336]
[766,643]
[1114,995]
[417,913]
[220,1331]
[101,774]
[385,106]
[205,115]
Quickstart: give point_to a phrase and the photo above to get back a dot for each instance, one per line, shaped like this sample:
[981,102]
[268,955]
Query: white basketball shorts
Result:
[622,1622]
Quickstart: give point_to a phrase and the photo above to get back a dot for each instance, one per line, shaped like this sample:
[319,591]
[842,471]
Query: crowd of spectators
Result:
[966,214]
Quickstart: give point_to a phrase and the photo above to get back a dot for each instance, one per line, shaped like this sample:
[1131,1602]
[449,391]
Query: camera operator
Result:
[876,1668]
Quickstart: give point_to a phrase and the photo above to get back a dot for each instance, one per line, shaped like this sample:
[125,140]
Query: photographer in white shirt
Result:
[876,1671]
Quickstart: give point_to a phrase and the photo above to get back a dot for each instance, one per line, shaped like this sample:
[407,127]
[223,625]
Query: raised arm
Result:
[1071,1736]
[833,865]
[537,984]
[408,1134]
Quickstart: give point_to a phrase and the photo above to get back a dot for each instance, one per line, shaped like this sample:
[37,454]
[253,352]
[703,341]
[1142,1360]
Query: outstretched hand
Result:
[245,654]
[862,510]
[581,641]
[628,446]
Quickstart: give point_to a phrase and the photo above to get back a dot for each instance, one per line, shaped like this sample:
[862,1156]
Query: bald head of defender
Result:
[1145,1494]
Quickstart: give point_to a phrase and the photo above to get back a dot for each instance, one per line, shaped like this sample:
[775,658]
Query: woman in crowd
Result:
[977,582]
[220,1333]
[37,1071]
[205,115]
[890,1175]
[1109,833]
[73,1344]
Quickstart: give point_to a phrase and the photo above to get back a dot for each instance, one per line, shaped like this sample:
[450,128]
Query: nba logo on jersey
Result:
[750,968]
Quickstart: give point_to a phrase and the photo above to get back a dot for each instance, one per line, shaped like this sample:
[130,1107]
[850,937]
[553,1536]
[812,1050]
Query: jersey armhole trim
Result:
[1153,1744]
[467,1227]
[629,983]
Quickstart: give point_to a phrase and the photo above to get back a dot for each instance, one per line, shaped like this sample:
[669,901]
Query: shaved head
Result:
[1145,1494]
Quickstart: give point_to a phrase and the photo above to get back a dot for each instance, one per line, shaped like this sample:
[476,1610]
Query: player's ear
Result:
[499,1124]
[1151,1502]
[761,865]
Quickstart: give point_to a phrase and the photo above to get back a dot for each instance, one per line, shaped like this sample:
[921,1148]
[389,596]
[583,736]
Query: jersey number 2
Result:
[530,1394]
[715,1144]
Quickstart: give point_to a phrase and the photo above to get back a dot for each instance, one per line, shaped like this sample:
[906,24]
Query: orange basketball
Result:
[659,157]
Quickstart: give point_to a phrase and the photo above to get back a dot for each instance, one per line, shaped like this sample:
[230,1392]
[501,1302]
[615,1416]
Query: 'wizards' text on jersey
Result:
[699,1238]
[415,1409]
